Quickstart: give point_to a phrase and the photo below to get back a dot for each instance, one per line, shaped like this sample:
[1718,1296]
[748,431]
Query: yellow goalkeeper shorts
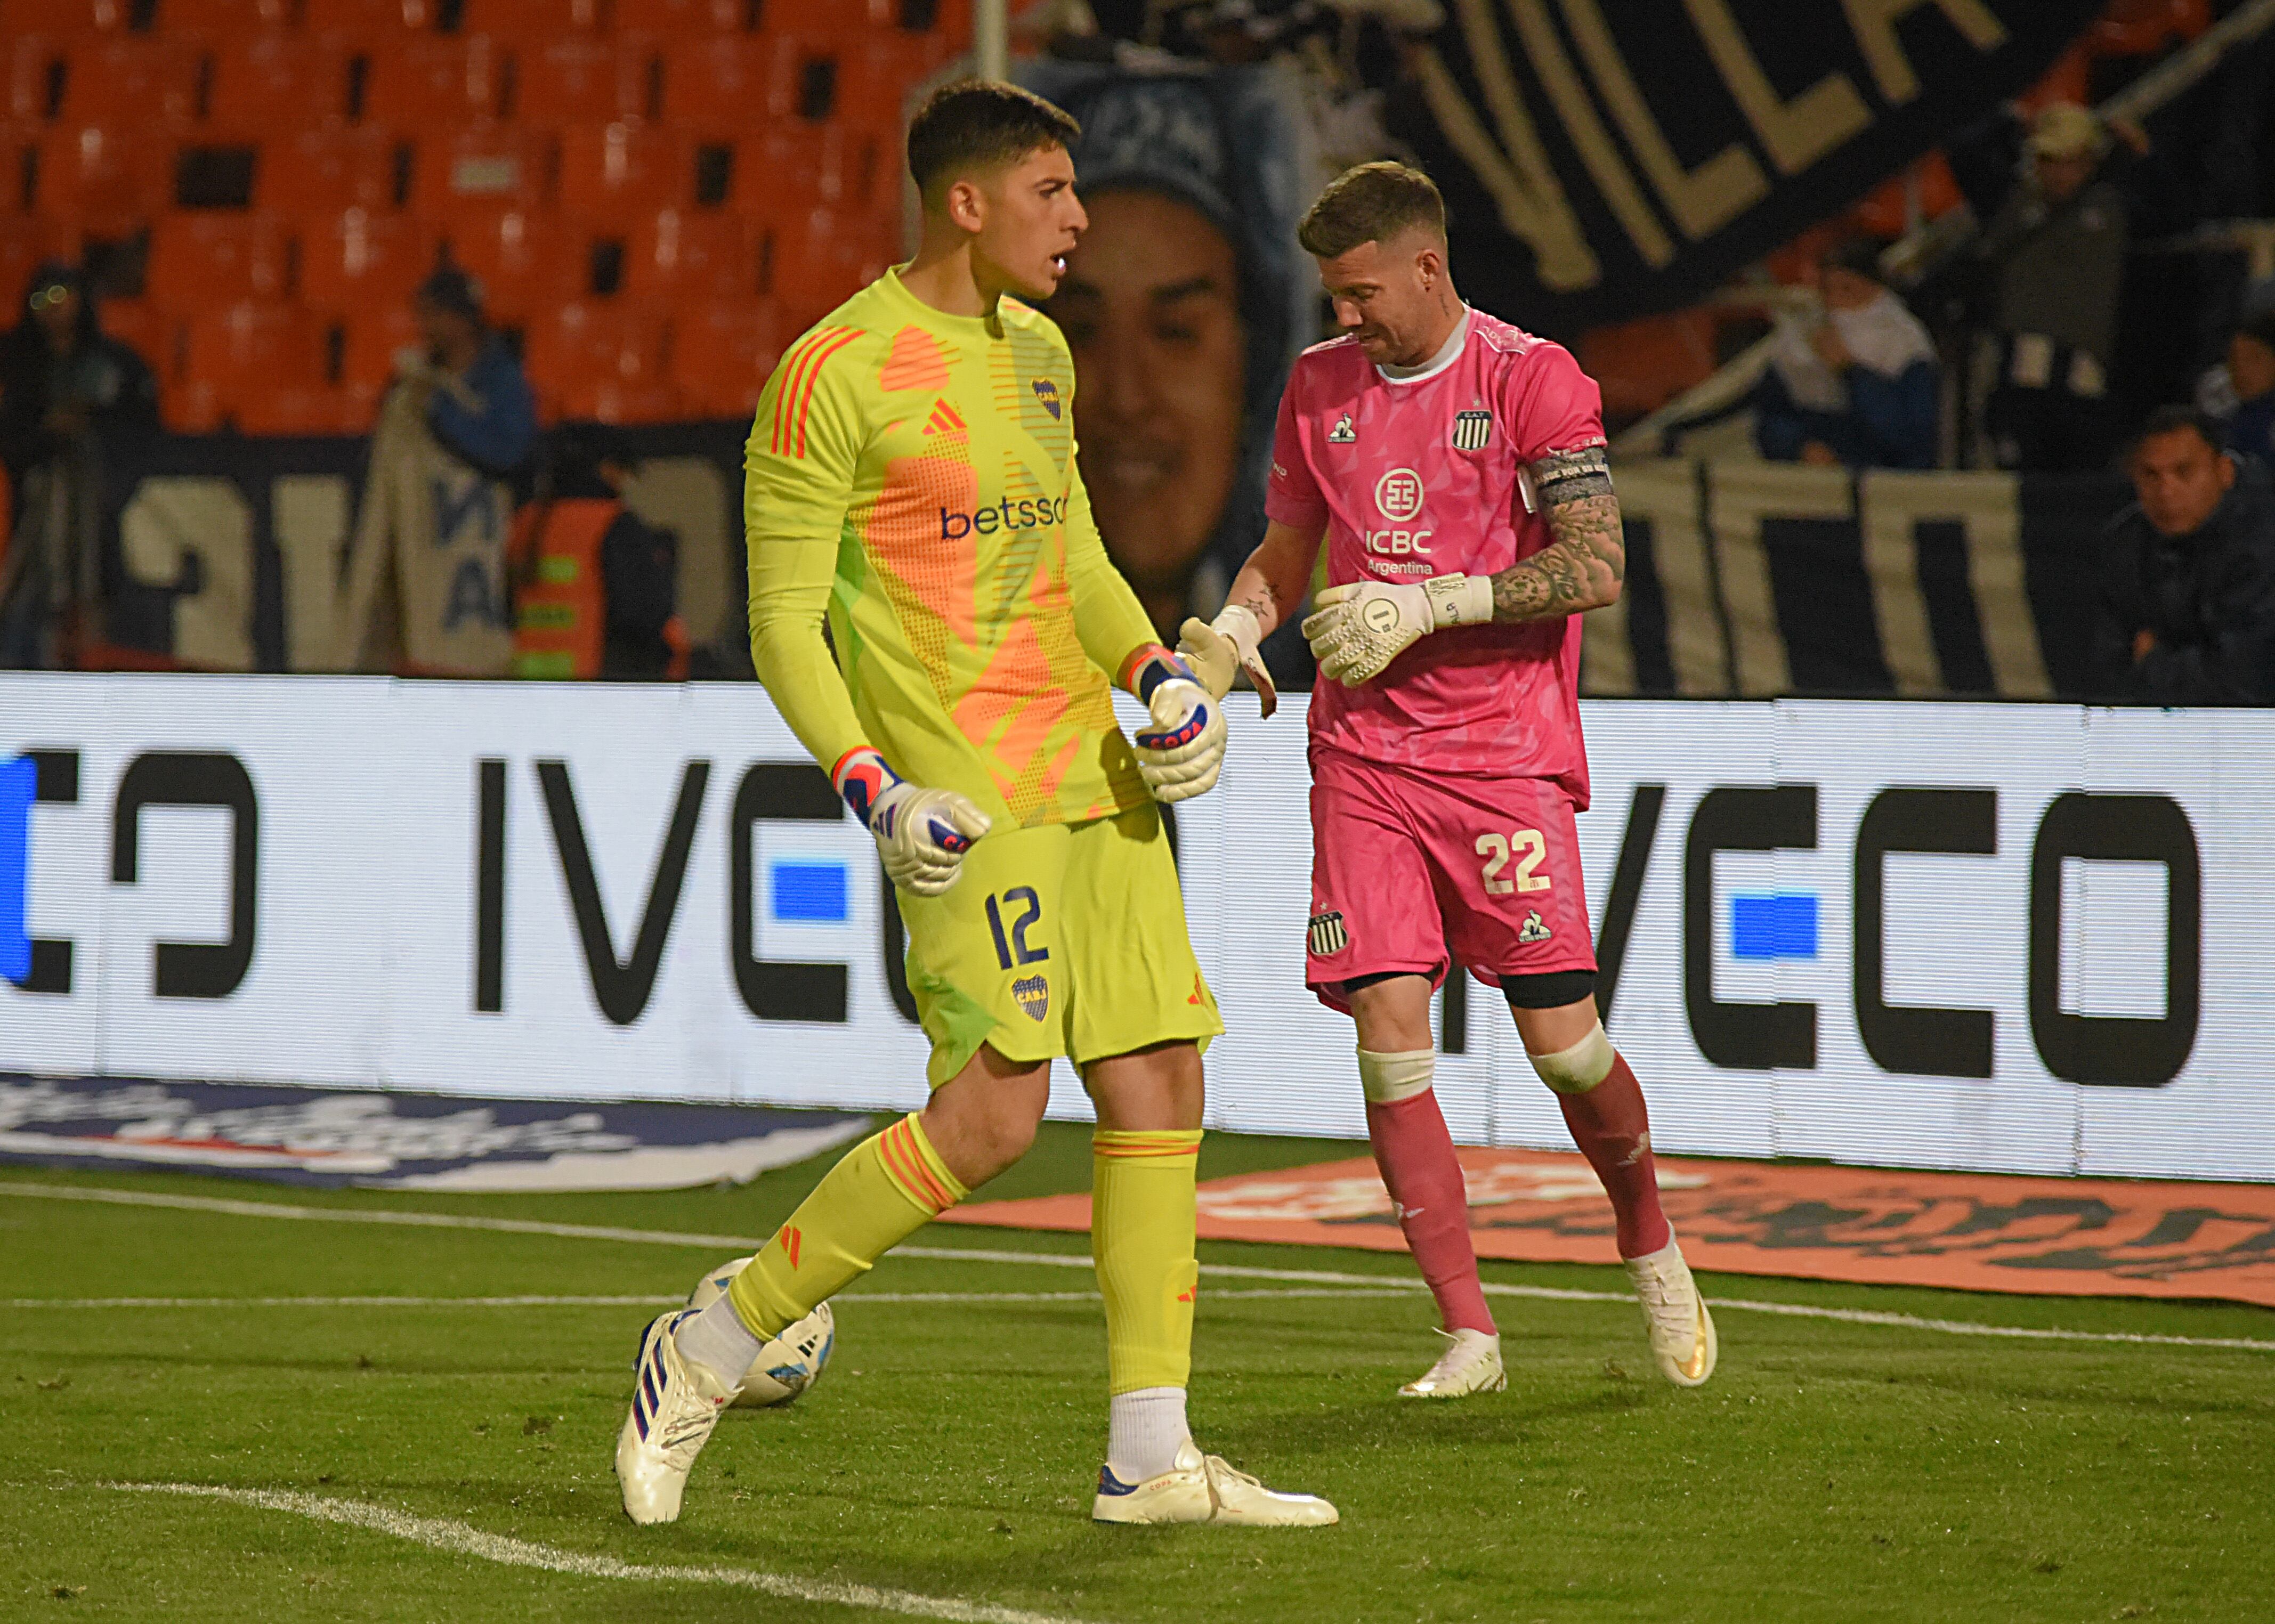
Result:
[1063,938]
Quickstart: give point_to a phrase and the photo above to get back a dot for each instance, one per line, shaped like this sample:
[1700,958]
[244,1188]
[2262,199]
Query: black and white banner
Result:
[1602,162]
[1995,937]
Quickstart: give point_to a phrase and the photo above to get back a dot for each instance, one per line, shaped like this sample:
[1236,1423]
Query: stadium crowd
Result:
[2017,349]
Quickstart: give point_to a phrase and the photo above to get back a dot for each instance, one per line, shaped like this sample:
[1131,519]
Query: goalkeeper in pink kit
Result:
[1454,466]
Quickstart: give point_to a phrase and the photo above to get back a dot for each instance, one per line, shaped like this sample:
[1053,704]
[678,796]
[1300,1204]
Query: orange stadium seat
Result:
[584,80]
[277,82]
[366,21]
[234,352]
[723,351]
[18,138]
[428,83]
[35,69]
[202,260]
[82,16]
[678,254]
[318,408]
[683,18]
[874,78]
[356,262]
[723,86]
[531,20]
[827,19]
[617,172]
[131,80]
[786,172]
[603,361]
[311,171]
[486,168]
[24,241]
[815,264]
[106,181]
[222,19]
[527,263]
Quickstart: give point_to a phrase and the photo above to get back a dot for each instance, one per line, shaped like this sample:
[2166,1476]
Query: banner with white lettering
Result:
[1603,161]
[1994,937]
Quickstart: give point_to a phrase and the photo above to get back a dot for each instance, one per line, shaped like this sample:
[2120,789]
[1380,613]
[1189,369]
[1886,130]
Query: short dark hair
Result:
[2173,418]
[1370,203]
[981,123]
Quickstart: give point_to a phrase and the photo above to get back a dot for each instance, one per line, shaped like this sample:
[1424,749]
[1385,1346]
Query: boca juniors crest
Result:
[1033,994]
[1047,392]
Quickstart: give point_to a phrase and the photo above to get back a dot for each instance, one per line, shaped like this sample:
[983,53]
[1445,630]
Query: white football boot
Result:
[1203,1488]
[675,1402]
[1470,1363]
[1674,1316]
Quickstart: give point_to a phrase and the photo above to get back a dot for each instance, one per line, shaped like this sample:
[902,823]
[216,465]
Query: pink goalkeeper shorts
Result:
[1406,864]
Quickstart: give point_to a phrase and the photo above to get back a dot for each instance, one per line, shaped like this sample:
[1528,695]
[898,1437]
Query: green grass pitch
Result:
[1832,1470]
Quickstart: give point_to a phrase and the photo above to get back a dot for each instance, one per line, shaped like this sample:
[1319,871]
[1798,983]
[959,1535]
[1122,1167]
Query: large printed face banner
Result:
[1986,937]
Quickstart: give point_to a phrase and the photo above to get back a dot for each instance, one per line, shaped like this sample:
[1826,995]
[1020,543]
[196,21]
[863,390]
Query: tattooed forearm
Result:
[1277,575]
[1584,569]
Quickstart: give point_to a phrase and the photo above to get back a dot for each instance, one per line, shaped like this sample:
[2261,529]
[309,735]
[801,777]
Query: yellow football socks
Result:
[885,1190]
[1141,1234]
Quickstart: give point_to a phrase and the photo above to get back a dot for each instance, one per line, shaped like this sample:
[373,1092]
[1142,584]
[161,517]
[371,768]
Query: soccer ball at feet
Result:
[787,1365]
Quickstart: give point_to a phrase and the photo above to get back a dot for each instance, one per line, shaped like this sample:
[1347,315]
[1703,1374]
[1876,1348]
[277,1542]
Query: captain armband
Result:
[1571,476]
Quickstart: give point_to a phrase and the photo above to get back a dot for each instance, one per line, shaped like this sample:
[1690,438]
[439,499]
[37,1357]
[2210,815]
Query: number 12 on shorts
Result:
[1016,942]
[1531,849]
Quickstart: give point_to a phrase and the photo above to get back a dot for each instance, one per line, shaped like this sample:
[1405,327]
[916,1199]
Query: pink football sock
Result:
[1415,1154]
[1613,1131]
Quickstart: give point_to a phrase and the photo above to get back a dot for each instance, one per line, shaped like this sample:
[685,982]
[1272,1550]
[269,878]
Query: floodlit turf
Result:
[1831,1470]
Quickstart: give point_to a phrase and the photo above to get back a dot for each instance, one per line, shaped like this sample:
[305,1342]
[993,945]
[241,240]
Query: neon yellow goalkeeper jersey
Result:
[912,474]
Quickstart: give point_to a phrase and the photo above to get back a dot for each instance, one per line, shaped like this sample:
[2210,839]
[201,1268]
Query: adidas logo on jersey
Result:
[1533,930]
[1343,433]
[1328,935]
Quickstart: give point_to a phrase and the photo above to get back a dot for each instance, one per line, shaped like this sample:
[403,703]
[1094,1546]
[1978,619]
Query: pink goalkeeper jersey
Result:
[1418,477]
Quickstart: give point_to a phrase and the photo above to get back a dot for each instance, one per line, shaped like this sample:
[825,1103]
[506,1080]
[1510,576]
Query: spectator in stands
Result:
[2251,375]
[2053,257]
[594,584]
[2188,572]
[427,586]
[78,410]
[1860,385]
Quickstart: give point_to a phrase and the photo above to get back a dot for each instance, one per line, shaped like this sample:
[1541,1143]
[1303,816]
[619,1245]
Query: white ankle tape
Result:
[1389,1078]
[1580,1068]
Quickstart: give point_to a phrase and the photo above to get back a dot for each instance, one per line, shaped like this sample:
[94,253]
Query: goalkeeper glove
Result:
[1357,630]
[1219,650]
[1180,755]
[922,835]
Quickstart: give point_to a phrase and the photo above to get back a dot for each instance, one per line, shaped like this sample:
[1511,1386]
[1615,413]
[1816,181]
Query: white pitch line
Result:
[464,1539]
[839,1301]
[1077,1260]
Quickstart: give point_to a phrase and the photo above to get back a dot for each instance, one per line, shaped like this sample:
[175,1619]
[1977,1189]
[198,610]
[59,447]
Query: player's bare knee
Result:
[1387,1079]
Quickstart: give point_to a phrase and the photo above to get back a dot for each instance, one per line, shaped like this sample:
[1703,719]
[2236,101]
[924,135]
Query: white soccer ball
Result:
[786,1366]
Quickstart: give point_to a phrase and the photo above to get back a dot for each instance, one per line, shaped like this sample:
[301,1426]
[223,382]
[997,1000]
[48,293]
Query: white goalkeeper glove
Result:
[1219,650]
[1357,630]
[922,835]
[1181,754]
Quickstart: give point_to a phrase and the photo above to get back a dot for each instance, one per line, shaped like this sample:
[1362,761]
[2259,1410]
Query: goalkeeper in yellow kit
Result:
[911,480]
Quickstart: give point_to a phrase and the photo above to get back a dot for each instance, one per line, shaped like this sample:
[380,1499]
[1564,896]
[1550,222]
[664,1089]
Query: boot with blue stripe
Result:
[675,1402]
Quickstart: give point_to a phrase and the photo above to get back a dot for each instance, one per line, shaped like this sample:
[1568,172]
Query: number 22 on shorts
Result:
[1012,948]
[1531,849]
